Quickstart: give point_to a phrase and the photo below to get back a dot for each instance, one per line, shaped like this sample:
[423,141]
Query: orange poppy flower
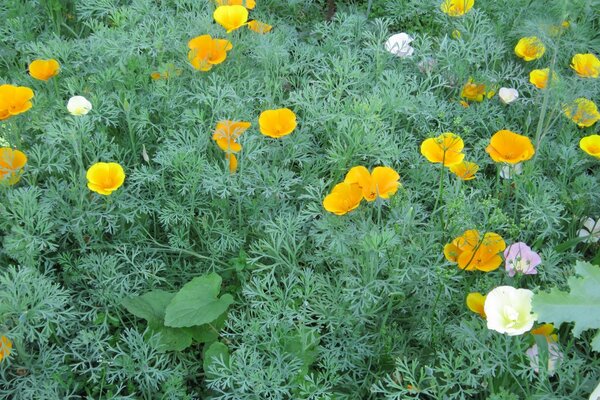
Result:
[582,111]
[206,52]
[259,27]
[231,17]
[277,123]
[44,69]
[383,182]
[344,198]
[232,162]
[539,77]
[464,170]
[586,65]
[530,48]
[446,148]
[474,91]
[249,4]
[11,165]
[14,100]
[510,147]
[5,347]
[105,178]
[456,8]
[475,302]
[591,145]
[473,252]
[227,133]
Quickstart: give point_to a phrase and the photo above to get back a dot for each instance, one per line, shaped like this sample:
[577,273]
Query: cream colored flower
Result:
[508,95]
[508,310]
[79,105]
[399,45]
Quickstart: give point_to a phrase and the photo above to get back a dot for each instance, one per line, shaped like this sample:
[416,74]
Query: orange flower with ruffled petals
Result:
[105,178]
[344,198]
[206,52]
[591,145]
[44,69]
[586,65]
[14,100]
[471,251]
[227,133]
[583,112]
[231,17]
[383,182]
[464,170]
[277,123]
[259,27]
[12,163]
[475,302]
[446,148]
[530,48]
[5,347]
[510,147]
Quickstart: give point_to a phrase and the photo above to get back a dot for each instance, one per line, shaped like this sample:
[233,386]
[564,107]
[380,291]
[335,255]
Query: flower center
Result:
[520,264]
[511,315]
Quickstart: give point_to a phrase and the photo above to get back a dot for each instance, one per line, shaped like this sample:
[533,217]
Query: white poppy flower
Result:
[508,310]
[399,45]
[508,171]
[508,95]
[591,230]
[79,105]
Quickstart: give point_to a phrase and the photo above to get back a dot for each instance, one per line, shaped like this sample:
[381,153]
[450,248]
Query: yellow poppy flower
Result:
[231,17]
[44,69]
[456,8]
[105,178]
[11,165]
[14,100]
[583,112]
[464,170]
[510,147]
[383,182]
[206,52]
[475,302]
[344,198]
[232,162]
[446,148]
[591,145]
[530,48]
[277,123]
[226,134]
[474,91]
[259,27]
[472,252]
[249,4]
[586,65]
[5,347]
[539,77]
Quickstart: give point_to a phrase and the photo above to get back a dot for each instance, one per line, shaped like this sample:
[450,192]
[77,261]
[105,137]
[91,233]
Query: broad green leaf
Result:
[580,305]
[215,350]
[150,306]
[172,339]
[208,333]
[197,303]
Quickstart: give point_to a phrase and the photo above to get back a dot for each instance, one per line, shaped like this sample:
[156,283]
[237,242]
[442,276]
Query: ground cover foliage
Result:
[318,306]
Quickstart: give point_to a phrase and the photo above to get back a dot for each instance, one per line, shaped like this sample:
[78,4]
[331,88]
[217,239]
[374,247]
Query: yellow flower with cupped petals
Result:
[5,347]
[44,69]
[206,52]
[456,8]
[539,77]
[12,163]
[344,198]
[14,100]
[583,112]
[259,27]
[475,302]
[231,17]
[227,133]
[277,123]
[383,182]
[105,178]
[471,251]
[475,91]
[464,170]
[510,147]
[530,48]
[446,148]
[249,4]
[591,145]
[586,65]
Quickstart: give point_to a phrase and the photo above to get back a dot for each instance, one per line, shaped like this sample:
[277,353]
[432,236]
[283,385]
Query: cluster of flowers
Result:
[446,149]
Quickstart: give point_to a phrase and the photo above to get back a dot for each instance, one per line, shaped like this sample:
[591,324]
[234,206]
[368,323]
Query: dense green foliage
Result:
[360,306]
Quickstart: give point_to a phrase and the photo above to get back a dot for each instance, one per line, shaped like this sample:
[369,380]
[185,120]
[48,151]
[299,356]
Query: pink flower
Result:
[520,258]
[555,356]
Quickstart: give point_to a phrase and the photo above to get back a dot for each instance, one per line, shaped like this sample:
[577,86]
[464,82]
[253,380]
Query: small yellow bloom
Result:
[105,178]
[5,347]
[155,75]
[277,123]
[591,145]
[12,163]
[456,8]
[586,65]
[226,135]
[583,112]
[464,170]
[259,27]
[473,91]
[206,52]
[249,4]
[446,148]
[44,69]
[530,48]
[232,162]
[475,302]
[383,182]
[231,17]
[510,147]
[539,77]
[14,100]
[344,198]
